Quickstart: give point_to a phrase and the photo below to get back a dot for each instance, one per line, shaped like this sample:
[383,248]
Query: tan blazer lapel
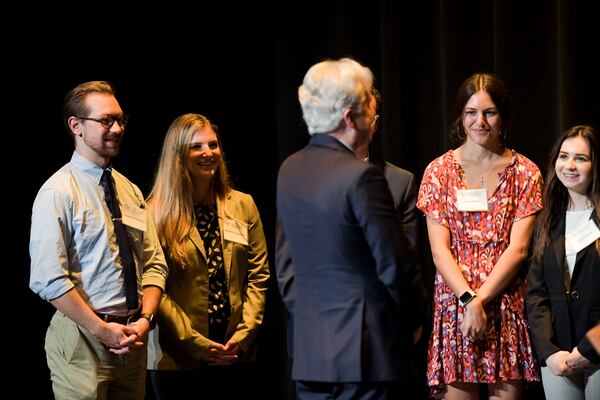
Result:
[223,211]
[197,240]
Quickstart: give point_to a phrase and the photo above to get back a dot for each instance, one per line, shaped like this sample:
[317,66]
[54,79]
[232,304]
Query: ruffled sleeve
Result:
[433,192]
[530,183]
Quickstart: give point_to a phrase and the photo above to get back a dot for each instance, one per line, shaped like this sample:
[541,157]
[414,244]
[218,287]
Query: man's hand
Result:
[557,363]
[576,360]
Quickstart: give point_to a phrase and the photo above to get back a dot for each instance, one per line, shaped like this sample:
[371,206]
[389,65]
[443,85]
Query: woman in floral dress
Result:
[480,200]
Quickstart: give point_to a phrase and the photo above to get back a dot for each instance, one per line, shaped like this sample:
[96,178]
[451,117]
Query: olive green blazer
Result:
[181,334]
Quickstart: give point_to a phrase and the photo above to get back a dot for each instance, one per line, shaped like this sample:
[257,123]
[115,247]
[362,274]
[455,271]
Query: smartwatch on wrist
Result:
[466,297]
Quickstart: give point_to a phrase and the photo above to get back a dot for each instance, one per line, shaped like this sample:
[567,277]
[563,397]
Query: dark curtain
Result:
[420,52]
[241,65]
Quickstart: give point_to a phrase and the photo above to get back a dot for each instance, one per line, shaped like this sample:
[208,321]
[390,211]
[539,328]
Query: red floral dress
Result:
[477,242]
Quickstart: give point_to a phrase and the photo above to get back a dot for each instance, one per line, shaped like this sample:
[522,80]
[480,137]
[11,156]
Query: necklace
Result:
[482,179]
[470,164]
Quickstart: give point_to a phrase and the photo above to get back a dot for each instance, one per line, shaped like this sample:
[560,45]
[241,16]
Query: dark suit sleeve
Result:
[409,215]
[395,257]
[587,350]
[285,281]
[584,346]
[404,192]
[593,337]
[284,268]
[539,313]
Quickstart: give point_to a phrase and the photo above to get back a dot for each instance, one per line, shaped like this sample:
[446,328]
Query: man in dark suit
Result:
[401,182]
[402,185]
[346,271]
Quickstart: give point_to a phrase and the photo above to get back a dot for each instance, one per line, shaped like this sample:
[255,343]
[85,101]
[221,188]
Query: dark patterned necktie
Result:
[125,254]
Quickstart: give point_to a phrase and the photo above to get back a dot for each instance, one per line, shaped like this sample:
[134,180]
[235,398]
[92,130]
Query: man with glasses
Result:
[402,185]
[96,257]
[401,182]
[346,271]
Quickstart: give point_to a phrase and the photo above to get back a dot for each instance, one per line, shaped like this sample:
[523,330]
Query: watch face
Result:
[465,297]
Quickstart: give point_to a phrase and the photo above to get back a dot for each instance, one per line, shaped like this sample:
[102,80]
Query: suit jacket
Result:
[559,316]
[181,335]
[404,192]
[350,278]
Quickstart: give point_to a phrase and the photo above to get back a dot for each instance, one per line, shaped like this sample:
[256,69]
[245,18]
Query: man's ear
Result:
[74,125]
[349,118]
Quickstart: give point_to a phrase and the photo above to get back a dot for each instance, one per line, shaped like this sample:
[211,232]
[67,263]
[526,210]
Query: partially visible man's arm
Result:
[284,268]
[396,261]
[593,336]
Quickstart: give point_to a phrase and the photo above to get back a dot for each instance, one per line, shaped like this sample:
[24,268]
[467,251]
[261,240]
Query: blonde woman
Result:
[213,240]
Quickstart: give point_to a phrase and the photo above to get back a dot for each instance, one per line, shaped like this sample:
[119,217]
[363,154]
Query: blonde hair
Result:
[171,197]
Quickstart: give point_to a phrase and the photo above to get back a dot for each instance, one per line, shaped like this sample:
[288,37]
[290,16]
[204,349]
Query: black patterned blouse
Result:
[219,312]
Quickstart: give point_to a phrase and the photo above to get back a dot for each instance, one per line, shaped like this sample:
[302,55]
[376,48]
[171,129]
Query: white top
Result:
[574,220]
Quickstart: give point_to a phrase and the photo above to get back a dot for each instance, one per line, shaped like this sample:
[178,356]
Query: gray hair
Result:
[329,88]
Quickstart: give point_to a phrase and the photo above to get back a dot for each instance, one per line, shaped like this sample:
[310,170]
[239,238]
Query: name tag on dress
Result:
[134,217]
[581,237]
[471,200]
[235,231]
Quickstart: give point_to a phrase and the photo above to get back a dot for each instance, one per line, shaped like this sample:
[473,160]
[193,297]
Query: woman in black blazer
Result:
[563,295]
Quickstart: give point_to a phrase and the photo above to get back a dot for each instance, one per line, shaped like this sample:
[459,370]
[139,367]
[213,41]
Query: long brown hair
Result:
[171,200]
[556,196]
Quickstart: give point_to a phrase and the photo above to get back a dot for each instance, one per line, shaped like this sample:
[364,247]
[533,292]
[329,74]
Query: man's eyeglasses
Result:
[107,122]
[375,119]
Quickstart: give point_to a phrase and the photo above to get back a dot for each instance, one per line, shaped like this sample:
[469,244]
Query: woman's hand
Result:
[218,354]
[474,321]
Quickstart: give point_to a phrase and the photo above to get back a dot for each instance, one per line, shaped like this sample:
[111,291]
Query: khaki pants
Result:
[81,367]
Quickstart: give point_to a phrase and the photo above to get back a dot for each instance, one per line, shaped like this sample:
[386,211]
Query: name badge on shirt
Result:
[235,231]
[472,200]
[134,217]
[581,237]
